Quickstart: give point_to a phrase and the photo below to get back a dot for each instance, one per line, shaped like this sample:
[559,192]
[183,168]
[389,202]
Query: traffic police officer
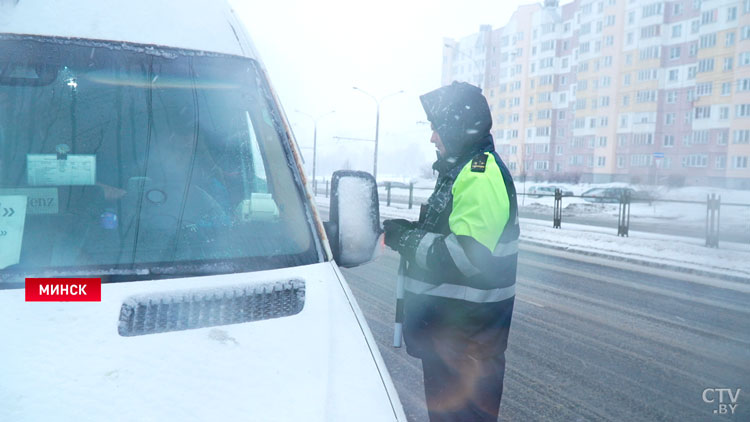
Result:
[461,262]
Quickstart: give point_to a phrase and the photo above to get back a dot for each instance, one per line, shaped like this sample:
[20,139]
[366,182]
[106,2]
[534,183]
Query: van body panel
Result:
[212,25]
[68,360]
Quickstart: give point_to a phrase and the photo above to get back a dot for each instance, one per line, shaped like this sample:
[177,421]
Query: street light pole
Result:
[315,138]
[377,125]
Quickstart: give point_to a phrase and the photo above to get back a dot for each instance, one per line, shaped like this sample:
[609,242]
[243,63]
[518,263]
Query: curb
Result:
[643,262]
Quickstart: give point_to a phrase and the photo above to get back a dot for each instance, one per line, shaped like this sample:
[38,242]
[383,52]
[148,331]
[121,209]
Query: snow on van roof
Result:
[203,25]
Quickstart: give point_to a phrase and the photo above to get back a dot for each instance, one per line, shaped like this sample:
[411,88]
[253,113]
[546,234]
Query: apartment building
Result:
[636,91]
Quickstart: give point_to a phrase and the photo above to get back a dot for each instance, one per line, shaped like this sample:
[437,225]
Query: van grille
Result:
[187,310]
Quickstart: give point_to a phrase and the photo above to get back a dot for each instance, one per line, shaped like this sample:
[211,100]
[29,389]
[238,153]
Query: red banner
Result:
[63,289]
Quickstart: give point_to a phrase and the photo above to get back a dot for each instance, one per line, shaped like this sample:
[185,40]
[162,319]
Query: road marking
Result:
[614,263]
[530,302]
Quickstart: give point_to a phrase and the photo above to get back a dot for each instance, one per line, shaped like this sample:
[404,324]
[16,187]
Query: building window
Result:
[643,139]
[695,160]
[700,137]
[650,31]
[709,16]
[742,110]
[669,119]
[641,160]
[677,31]
[704,88]
[646,96]
[723,113]
[541,165]
[601,161]
[739,162]
[668,141]
[732,14]
[729,39]
[721,161]
[649,53]
[674,53]
[706,65]
[707,41]
[723,137]
[726,88]
[741,136]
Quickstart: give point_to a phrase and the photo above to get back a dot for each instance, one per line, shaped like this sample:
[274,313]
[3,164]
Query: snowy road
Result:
[594,342]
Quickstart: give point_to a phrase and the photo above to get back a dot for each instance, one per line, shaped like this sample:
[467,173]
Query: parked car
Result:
[612,195]
[141,144]
[540,191]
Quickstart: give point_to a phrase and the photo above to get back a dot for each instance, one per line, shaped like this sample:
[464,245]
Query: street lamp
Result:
[377,125]
[315,137]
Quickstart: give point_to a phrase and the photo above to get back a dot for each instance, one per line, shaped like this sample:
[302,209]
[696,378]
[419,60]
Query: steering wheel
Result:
[160,209]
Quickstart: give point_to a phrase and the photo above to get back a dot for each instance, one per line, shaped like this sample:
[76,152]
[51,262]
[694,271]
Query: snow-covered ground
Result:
[732,259]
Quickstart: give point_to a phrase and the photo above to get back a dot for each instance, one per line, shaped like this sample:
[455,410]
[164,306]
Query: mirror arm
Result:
[332,231]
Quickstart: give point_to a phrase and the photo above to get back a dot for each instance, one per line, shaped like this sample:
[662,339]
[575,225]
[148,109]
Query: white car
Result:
[540,191]
[142,144]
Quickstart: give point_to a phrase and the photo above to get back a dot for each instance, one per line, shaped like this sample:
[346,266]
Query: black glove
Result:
[394,230]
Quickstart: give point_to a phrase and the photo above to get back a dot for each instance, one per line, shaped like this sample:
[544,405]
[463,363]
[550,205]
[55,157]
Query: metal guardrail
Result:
[713,207]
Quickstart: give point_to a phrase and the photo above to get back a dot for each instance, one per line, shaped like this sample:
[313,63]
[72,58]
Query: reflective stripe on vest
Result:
[505,249]
[454,291]
[424,247]
[459,256]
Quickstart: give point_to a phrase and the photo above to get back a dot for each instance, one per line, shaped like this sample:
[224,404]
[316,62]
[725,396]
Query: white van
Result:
[142,144]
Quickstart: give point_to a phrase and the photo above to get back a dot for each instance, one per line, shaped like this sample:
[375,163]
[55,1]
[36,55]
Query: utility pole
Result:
[315,137]
[377,126]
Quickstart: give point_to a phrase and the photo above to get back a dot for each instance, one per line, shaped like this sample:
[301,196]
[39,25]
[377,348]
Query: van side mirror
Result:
[353,228]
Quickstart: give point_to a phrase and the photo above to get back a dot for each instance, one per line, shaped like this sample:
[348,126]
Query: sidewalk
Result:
[683,254]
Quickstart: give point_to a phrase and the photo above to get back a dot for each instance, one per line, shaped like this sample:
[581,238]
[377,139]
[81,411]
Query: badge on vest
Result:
[479,163]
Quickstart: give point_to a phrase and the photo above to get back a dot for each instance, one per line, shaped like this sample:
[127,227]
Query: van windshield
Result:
[134,162]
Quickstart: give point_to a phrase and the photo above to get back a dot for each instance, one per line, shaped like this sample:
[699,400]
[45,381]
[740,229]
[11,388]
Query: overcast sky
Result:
[316,51]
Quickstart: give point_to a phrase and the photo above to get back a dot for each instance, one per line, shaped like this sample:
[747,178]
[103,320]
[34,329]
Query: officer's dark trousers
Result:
[464,389]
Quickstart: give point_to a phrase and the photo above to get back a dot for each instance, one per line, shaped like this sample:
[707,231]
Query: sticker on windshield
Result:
[12,219]
[51,170]
[39,200]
